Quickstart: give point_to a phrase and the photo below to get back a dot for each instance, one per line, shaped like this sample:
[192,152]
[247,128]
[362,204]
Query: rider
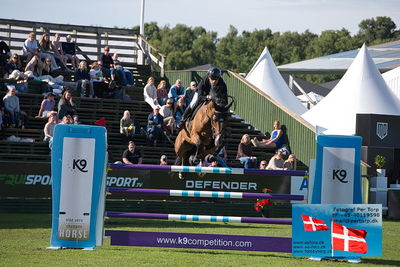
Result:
[212,86]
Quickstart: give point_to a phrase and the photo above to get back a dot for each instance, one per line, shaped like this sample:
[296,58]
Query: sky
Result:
[213,15]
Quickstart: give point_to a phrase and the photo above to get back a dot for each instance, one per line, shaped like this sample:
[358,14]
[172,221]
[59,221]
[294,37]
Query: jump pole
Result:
[209,194]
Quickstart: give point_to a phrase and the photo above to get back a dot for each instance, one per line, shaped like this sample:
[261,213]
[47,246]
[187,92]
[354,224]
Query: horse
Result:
[203,135]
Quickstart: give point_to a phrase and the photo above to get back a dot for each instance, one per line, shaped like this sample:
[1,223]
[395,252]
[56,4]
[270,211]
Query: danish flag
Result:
[348,239]
[312,224]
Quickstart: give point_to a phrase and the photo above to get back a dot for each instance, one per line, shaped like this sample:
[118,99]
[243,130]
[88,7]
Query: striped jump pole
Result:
[196,218]
[194,169]
[210,194]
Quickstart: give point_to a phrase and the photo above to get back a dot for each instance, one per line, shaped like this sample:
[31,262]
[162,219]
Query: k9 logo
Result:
[341,175]
[79,164]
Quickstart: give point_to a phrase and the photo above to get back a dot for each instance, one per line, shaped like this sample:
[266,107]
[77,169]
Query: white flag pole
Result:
[331,237]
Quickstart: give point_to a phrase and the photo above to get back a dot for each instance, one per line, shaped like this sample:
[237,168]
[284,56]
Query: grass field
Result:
[24,238]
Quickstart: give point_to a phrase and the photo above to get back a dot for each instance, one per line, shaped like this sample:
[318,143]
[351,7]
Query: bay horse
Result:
[203,135]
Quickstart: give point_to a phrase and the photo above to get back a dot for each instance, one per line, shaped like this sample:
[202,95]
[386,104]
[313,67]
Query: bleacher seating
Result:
[90,110]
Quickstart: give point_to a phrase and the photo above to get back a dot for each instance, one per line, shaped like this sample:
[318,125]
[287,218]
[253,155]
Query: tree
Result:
[376,29]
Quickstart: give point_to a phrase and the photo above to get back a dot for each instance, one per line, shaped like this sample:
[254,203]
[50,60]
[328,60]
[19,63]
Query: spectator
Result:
[5,52]
[69,49]
[58,52]
[276,141]
[67,119]
[30,47]
[132,155]
[177,91]
[167,112]
[49,127]
[263,165]
[163,160]
[291,162]
[14,68]
[107,66]
[125,75]
[245,153]
[222,157]
[276,162]
[162,94]
[2,124]
[11,105]
[155,126]
[96,78]
[126,126]
[211,161]
[150,93]
[189,92]
[179,110]
[82,77]
[35,66]
[47,106]
[66,106]
[46,50]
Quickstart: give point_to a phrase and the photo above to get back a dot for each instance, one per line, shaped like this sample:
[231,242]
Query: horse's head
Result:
[218,121]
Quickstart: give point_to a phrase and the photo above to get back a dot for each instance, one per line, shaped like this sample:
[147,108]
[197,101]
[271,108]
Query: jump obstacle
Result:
[202,241]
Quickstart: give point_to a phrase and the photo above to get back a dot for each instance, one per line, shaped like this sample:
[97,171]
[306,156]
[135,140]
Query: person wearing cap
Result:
[277,162]
[47,106]
[189,92]
[155,125]
[211,86]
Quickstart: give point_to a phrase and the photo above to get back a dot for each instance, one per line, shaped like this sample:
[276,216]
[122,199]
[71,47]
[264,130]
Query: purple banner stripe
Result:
[162,216]
[200,241]
[166,192]
[149,167]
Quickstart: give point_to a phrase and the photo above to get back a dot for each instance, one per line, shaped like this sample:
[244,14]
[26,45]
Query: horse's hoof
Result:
[194,160]
[181,176]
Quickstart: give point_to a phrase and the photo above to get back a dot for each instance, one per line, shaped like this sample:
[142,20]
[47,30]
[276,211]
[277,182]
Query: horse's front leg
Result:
[199,145]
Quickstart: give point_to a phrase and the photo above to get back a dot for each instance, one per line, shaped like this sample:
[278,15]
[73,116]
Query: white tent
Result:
[361,90]
[392,79]
[316,98]
[265,76]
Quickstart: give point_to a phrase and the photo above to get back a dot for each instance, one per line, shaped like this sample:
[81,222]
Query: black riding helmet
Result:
[214,73]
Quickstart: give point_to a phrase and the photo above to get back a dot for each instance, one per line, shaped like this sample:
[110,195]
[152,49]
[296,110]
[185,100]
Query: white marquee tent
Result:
[265,76]
[361,90]
[392,79]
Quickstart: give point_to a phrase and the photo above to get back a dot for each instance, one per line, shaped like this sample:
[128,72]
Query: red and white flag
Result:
[312,224]
[348,239]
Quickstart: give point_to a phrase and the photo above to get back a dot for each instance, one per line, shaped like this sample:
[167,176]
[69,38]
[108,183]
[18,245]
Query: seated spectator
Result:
[222,157]
[177,91]
[132,155]
[167,112]
[189,92]
[291,162]
[125,75]
[5,52]
[276,162]
[155,126]
[30,47]
[66,106]
[263,165]
[162,93]
[46,50]
[82,77]
[96,78]
[126,126]
[45,74]
[58,52]
[245,153]
[2,123]
[14,68]
[107,66]
[179,110]
[150,93]
[47,106]
[67,119]
[163,160]
[211,161]
[275,141]
[69,50]
[49,127]
[11,106]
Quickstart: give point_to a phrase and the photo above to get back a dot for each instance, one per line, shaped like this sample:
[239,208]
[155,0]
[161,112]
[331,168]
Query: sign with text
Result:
[337,230]
[338,171]
[78,169]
